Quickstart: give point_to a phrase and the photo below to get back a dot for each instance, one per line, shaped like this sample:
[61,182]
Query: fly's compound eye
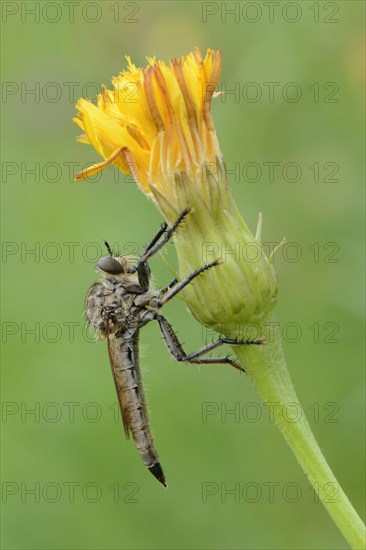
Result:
[110,265]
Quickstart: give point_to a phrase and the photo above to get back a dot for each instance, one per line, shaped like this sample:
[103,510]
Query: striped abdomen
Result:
[124,359]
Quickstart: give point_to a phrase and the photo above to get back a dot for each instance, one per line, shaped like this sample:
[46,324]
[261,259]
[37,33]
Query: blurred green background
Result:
[65,50]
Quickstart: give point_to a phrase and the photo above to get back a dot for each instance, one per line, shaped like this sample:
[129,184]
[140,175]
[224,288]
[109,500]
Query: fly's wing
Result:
[114,358]
[95,300]
[93,304]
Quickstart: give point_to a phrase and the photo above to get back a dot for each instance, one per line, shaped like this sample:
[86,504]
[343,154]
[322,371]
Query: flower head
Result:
[156,124]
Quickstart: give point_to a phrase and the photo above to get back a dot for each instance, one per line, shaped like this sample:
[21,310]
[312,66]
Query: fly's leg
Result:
[143,275]
[142,268]
[155,239]
[169,286]
[177,287]
[155,245]
[160,239]
[171,339]
[177,351]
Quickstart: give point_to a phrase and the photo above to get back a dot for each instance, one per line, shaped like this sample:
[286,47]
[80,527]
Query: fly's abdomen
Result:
[124,357]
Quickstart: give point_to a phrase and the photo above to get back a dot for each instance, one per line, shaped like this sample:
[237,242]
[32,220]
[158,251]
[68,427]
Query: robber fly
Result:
[118,307]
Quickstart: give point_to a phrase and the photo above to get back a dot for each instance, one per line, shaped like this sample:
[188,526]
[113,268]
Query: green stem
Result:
[266,367]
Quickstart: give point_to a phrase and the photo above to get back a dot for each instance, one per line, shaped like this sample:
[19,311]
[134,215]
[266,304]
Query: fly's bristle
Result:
[157,471]
[131,259]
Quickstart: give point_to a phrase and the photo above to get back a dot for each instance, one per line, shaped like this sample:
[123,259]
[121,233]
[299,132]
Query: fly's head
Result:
[115,266]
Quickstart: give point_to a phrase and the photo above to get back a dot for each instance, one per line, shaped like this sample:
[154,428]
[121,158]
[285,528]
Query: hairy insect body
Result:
[118,313]
[118,307]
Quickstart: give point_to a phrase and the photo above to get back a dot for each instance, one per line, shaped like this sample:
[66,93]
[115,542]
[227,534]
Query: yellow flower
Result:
[156,124]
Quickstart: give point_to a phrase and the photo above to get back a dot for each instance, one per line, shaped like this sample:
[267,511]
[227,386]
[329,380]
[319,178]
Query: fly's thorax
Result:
[108,306]
[125,279]
[148,299]
[113,305]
